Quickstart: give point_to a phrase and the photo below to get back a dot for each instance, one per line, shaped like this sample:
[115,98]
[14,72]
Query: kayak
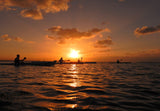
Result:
[34,63]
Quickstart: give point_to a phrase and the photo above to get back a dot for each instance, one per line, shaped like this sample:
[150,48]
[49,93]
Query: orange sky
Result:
[104,30]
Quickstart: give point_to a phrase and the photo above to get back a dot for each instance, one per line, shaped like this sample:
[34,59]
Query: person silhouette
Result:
[61,60]
[118,61]
[16,60]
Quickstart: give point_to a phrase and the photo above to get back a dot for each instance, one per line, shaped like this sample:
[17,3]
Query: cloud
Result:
[8,38]
[34,8]
[147,30]
[5,37]
[32,13]
[50,37]
[58,33]
[18,39]
[103,43]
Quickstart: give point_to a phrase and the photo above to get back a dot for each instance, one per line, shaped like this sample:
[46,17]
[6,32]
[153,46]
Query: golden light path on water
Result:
[75,82]
[70,81]
[69,86]
[74,75]
[72,87]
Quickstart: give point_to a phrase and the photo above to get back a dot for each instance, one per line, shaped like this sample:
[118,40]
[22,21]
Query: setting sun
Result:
[74,54]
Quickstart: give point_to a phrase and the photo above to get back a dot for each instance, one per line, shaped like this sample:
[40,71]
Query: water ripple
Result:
[81,87]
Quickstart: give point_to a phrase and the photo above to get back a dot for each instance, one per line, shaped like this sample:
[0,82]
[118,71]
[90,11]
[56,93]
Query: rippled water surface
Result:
[81,87]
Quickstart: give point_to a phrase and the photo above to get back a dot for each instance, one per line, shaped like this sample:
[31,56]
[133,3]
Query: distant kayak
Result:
[34,63]
[120,62]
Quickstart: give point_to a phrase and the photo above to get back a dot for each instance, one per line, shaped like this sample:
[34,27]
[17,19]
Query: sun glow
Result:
[74,54]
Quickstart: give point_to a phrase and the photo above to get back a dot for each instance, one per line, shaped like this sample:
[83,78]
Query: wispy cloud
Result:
[60,34]
[8,38]
[5,37]
[34,8]
[32,13]
[147,30]
[18,39]
[103,43]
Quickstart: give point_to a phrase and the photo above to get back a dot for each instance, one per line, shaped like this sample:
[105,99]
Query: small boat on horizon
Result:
[121,62]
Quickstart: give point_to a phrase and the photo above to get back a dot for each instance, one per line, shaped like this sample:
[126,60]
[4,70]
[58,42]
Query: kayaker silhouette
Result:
[118,61]
[17,60]
[61,60]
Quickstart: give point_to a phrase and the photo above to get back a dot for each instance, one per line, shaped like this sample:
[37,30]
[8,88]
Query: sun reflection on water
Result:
[74,82]
[74,75]
[72,106]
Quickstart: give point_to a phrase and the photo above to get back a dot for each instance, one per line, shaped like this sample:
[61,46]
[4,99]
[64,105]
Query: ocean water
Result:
[81,87]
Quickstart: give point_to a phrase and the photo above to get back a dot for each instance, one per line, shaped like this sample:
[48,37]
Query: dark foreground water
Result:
[82,87]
